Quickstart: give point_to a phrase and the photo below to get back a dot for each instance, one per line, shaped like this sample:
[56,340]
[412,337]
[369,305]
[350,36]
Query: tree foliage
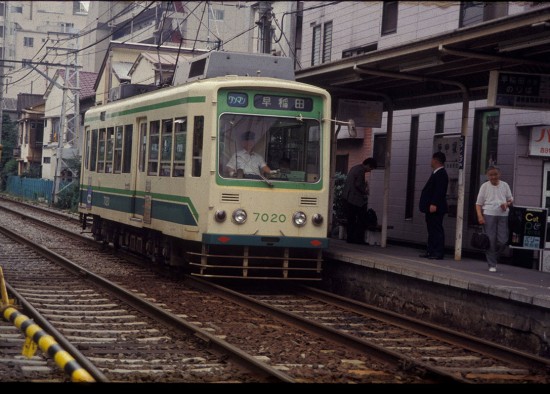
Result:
[8,164]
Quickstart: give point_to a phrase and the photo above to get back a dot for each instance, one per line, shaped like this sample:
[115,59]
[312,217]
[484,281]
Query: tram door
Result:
[546,204]
[137,176]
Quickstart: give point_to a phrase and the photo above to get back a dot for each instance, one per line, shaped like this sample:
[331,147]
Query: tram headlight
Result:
[239,216]
[220,215]
[317,219]
[299,218]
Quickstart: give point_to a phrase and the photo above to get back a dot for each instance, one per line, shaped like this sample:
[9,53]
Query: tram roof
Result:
[432,71]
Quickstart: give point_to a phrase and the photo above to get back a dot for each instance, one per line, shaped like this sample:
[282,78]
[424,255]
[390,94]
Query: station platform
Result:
[510,306]
[510,283]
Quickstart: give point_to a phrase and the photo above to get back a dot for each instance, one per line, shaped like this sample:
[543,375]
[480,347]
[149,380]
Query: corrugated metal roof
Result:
[27,100]
[162,58]
[121,70]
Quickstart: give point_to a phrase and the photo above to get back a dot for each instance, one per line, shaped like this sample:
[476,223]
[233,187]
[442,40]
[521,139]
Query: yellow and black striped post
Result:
[4,300]
[48,345]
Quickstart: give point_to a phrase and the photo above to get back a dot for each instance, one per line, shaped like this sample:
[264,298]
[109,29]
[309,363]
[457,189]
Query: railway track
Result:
[254,332]
[415,354]
[124,343]
[434,348]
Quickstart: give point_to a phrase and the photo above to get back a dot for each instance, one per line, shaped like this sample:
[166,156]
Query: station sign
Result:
[364,113]
[518,90]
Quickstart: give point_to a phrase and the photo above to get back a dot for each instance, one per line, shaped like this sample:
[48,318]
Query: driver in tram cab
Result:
[246,162]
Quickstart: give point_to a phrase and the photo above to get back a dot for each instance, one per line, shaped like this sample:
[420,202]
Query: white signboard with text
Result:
[539,141]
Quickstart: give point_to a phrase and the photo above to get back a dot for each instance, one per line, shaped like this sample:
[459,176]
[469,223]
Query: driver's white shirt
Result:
[250,163]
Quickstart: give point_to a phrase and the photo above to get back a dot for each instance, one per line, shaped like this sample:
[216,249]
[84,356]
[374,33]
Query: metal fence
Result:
[30,188]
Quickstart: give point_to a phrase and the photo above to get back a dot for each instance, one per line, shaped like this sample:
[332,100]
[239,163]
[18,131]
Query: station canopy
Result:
[437,70]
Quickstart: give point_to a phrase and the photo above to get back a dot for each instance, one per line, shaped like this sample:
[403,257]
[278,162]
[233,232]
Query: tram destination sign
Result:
[519,90]
[527,227]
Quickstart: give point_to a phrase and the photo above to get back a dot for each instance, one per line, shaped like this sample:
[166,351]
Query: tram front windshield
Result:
[290,148]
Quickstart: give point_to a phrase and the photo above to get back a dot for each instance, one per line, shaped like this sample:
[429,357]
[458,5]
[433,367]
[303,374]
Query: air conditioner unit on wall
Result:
[128,90]
[344,132]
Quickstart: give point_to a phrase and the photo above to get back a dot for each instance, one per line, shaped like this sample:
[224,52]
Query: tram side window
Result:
[166,148]
[198,133]
[109,149]
[88,136]
[101,150]
[127,149]
[142,145]
[154,135]
[313,151]
[118,149]
[93,150]
[180,135]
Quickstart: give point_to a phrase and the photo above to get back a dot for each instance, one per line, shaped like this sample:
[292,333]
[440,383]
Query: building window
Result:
[440,123]
[327,41]
[47,160]
[359,50]
[389,17]
[474,12]
[28,41]
[379,150]
[411,169]
[342,162]
[80,8]
[17,10]
[66,27]
[216,15]
[316,46]
[26,63]
[322,44]
[2,7]
[1,31]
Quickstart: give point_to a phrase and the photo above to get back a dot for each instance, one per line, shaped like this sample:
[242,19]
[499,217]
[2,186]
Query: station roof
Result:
[434,70]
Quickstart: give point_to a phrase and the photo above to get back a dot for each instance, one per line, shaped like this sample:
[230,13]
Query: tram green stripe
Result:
[180,210]
[143,108]
[155,196]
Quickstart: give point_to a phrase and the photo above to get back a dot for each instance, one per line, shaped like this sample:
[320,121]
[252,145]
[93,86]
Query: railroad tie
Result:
[48,345]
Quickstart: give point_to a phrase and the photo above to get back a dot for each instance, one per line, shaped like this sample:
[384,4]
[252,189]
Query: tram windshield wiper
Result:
[270,184]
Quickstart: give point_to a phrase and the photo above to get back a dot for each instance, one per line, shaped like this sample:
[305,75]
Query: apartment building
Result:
[36,37]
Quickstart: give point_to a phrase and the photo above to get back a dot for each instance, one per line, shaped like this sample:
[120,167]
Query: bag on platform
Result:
[480,240]
[371,219]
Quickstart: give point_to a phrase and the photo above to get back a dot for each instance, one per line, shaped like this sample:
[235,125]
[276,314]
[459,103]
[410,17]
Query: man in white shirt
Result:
[246,160]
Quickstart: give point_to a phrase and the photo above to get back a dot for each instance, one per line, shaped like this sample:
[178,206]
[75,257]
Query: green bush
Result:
[338,202]
[68,198]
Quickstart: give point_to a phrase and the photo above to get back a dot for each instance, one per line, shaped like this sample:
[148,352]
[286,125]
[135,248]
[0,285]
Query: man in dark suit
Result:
[433,203]
[355,196]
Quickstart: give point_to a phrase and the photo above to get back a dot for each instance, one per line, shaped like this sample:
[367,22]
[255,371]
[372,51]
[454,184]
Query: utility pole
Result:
[69,120]
[264,10]
[1,99]
[3,55]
